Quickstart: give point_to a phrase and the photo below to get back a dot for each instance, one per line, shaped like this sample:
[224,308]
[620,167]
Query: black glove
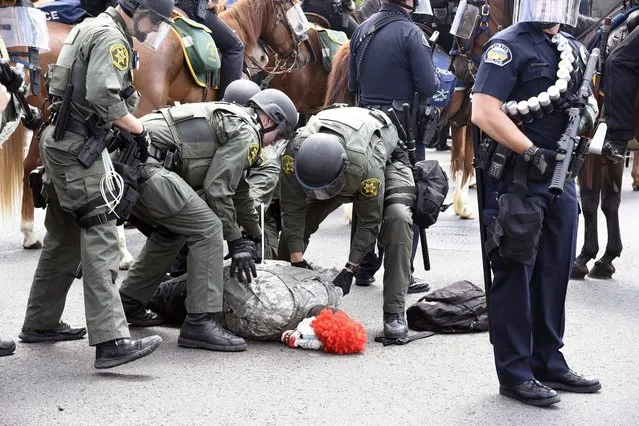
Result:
[241,254]
[303,264]
[344,280]
[614,150]
[542,158]
[10,79]
[143,140]
[256,244]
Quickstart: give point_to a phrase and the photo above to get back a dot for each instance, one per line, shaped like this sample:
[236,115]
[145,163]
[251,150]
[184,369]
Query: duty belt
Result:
[157,153]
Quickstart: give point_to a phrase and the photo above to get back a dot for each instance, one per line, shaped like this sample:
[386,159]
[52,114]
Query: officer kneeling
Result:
[348,155]
[531,252]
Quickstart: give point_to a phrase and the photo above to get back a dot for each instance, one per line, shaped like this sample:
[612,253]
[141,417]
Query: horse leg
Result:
[31,161]
[610,201]
[462,178]
[126,260]
[635,172]
[589,190]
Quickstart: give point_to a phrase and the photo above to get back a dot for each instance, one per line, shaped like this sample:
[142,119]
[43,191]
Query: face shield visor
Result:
[328,191]
[24,27]
[465,20]
[422,7]
[297,20]
[150,28]
[547,11]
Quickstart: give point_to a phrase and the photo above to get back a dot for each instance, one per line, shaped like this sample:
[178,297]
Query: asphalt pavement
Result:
[442,380]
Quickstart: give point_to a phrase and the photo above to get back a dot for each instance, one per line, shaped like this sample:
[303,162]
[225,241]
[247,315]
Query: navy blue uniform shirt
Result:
[521,62]
[398,62]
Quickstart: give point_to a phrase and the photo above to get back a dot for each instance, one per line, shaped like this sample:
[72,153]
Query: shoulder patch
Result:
[370,187]
[288,164]
[253,153]
[498,54]
[119,56]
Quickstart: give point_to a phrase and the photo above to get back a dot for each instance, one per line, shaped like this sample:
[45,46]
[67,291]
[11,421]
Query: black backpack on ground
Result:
[457,308]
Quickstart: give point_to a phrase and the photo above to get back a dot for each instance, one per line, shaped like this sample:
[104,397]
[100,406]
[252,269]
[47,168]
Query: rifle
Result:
[572,146]
[13,82]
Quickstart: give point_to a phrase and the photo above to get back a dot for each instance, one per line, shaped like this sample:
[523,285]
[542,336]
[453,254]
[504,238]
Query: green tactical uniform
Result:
[373,177]
[264,186]
[96,59]
[214,144]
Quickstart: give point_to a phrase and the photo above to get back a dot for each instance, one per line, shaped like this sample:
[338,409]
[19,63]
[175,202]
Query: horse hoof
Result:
[126,264]
[579,271]
[467,214]
[33,246]
[602,270]
[635,186]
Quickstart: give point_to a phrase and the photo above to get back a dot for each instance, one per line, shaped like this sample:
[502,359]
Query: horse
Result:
[170,82]
[601,180]
[457,113]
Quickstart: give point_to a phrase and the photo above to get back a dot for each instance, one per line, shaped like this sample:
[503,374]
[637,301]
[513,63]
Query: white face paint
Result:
[24,26]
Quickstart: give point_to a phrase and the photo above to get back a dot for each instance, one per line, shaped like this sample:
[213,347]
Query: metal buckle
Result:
[485,9]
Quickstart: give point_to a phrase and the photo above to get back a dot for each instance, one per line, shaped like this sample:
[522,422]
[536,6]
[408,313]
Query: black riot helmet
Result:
[159,13]
[279,108]
[240,91]
[320,165]
[420,7]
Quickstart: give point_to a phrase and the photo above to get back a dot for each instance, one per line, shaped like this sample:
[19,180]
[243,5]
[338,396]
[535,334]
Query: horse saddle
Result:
[447,81]
[330,40]
[200,52]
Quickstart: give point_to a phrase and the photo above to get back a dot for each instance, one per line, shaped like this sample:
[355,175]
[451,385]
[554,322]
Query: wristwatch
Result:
[530,153]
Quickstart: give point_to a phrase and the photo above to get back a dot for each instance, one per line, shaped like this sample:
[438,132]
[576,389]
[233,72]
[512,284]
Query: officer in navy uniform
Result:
[527,300]
[336,12]
[390,64]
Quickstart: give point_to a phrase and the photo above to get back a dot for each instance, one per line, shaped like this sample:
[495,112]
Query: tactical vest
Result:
[70,68]
[358,126]
[193,137]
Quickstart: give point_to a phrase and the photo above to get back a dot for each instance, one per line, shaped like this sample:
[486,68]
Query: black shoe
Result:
[573,382]
[61,332]
[442,147]
[395,326]
[7,347]
[417,285]
[120,351]
[364,279]
[203,331]
[531,392]
[137,314]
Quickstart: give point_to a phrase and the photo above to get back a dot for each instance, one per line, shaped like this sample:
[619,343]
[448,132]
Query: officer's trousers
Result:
[622,71]
[66,245]
[527,302]
[166,200]
[396,235]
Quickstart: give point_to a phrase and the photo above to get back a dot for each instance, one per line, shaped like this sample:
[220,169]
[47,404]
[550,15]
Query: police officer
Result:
[349,155]
[213,145]
[622,69]
[94,74]
[336,12]
[528,294]
[226,40]
[379,78]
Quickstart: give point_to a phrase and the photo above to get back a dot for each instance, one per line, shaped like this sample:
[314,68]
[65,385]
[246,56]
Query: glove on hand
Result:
[542,157]
[614,150]
[143,140]
[13,81]
[241,255]
[344,280]
[303,264]
[256,245]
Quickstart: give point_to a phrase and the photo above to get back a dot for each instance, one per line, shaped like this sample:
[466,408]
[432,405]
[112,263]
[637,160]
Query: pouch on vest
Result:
[516,229]
[432,187]
[457,308]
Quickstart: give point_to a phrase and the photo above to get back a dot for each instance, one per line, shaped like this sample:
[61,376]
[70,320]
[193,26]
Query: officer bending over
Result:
[348,155]
[528,293]
[91,89]
[206,146]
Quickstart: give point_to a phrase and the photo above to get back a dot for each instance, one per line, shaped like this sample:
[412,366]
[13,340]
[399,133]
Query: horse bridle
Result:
[284,63]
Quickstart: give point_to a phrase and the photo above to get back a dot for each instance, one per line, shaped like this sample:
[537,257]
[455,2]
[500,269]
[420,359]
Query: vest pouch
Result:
[58,77]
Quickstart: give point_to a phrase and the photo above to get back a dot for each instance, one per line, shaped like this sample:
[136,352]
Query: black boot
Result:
[7,347]
[137,314]
[120,351]
[531,392]
[59,333]
[203,331]
[395,326]
[572,382]
[364,278]
[417,285]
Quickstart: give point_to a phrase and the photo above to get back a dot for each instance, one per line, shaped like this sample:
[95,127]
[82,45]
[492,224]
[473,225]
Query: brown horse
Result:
[162,78]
